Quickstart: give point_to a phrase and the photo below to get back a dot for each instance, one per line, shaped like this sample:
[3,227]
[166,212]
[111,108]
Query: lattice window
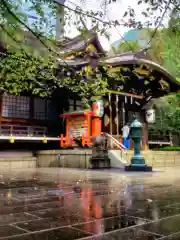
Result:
[39,109]
[16,106]
[78,105]
[71,105]
[51,110]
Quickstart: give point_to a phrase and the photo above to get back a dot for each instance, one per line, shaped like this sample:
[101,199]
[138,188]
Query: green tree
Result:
[165,48]
[33,67]
[168,111]
[174,22]
[172,116]
[123,47]
[35,71]
[171,53]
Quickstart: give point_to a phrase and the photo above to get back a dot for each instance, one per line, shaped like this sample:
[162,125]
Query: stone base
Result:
[138,168]
[100,162]
[138,160]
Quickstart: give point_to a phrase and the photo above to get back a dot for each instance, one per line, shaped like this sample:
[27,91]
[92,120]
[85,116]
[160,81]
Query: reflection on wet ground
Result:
[70,204]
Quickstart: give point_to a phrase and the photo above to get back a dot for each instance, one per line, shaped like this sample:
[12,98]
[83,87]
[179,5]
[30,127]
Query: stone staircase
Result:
[118,158]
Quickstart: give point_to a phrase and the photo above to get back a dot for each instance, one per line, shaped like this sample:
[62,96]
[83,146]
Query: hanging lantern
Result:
[98,108]
[150,116]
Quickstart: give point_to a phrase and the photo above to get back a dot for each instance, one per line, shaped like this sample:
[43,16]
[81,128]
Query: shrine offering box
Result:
[80,125]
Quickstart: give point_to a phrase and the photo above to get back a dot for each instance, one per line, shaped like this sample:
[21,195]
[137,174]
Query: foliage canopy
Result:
[31,67]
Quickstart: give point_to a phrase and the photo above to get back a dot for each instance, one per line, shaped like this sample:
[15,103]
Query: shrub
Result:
[168,148]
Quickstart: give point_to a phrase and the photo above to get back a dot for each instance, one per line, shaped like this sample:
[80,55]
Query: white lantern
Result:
[99,108]
[150,116]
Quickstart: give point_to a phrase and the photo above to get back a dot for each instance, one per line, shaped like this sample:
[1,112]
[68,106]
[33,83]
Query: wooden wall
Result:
[35,111]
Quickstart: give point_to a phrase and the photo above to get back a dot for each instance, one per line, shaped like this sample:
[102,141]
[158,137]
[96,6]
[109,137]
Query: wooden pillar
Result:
[67,126]
[145,145]
[1,105]
[89,126]
[123,113]
[117,114]
[31,108]
[110,114]
[96,126]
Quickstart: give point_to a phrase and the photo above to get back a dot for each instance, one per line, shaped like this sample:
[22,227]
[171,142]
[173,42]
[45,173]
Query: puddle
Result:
[72,204]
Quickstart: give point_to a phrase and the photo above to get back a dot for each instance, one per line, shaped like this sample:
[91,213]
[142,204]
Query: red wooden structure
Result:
[82,125]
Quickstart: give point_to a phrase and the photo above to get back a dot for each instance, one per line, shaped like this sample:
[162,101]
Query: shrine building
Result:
[34,119]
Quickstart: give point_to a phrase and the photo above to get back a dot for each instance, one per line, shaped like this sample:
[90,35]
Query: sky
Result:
[115,11]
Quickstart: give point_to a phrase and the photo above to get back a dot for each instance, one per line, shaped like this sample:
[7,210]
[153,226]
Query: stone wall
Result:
[64,158]
[159,158]
[17,162]
[80,158]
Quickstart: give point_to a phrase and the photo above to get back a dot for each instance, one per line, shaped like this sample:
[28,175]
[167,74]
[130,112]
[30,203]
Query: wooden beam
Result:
[14,120]
[110,114]
[123,113]
[117,114]
[1,106]
[126,94]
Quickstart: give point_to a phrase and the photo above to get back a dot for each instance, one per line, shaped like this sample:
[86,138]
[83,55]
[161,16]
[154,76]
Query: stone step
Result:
[17,162]
[9,154]
[21,158]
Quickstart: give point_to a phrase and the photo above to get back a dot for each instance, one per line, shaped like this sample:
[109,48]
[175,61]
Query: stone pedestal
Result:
[138,168]
[100,160]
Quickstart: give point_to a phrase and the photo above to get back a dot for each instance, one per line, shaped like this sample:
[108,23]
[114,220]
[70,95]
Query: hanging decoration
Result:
[106,120]
[150,116]
[116,120]
[137,103]
[125,99]
[164,84]
[117,112]
[131,100]
[147,91]
[148,98]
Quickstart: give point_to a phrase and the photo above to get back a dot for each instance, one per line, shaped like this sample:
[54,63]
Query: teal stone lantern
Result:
[137,162]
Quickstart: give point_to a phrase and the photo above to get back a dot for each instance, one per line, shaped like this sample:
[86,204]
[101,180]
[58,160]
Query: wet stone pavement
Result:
[71,204]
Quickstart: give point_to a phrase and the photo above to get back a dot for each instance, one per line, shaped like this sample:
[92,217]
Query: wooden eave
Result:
[135,60]
[79,45]
[159,81]
[77,113]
